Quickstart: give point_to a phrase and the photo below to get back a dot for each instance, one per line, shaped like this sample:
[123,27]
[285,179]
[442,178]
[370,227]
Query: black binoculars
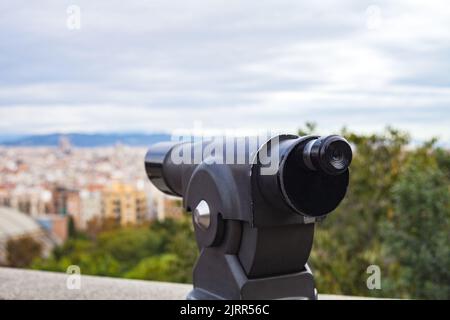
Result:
[254,206]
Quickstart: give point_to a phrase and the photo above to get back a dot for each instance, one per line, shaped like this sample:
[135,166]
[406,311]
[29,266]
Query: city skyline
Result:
[86,184]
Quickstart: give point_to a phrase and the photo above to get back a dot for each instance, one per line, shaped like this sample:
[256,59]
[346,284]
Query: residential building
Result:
[124,204]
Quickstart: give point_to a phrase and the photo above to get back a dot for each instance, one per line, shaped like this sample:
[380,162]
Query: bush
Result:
[162,251]
[21,252]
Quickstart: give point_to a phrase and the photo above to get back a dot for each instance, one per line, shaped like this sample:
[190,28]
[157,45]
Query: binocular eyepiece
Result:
[331,155]
[254,219]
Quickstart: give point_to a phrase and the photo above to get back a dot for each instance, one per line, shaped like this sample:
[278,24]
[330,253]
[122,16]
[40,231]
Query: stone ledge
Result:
[20,284]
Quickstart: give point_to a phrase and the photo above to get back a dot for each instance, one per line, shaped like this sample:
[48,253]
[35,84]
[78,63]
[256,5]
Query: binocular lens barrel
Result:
[310,167]
[158,165]
[331,155]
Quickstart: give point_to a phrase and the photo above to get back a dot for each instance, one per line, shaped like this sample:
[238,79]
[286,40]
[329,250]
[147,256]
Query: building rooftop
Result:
[13,223]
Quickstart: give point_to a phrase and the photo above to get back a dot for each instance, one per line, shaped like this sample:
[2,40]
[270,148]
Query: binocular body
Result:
[254,208]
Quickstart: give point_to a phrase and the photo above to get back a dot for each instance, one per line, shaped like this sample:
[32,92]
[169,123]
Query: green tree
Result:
[310,128]
[129,245]
[417,234]
[21,252]
[349,240]
[161,268]
[184,246]
[138,252]
[71,230]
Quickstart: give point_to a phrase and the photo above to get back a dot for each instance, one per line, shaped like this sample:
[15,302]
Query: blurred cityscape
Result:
[45,189]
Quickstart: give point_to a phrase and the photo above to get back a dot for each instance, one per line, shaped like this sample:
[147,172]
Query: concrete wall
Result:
[26,284]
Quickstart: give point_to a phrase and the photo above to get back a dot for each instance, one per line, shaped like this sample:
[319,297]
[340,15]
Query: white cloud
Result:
[154,65]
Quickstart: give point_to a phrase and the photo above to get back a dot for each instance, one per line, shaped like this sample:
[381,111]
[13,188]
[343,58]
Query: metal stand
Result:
[262,263]
[295,286]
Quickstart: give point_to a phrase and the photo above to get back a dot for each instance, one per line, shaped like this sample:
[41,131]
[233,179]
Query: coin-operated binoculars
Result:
[254,211]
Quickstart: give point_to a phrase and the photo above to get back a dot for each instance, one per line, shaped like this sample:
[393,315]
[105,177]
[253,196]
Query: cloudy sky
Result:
[147,66]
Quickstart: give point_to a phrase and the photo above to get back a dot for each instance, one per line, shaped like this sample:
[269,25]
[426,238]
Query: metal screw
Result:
[202,215]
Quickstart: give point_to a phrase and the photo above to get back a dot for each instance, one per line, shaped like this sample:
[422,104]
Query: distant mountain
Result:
[86,140]
[9,137]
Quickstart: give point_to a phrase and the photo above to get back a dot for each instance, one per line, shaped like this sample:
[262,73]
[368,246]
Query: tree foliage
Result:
[21,252]
[395,215]
[418,232]
[162,251]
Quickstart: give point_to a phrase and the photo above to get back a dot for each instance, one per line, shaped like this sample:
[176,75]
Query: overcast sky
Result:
[151,66]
